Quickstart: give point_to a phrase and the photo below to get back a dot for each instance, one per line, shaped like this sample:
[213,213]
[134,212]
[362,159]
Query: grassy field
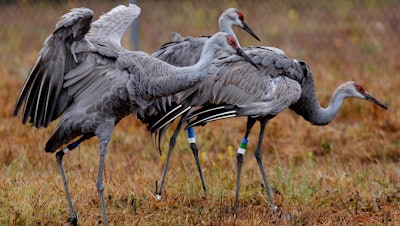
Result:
[345,173]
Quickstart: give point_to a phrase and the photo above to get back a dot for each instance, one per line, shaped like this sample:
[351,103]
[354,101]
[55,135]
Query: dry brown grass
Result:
[344,173]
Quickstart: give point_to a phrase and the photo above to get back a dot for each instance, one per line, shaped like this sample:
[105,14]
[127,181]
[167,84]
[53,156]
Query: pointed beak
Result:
[248,29]
[240,52]
[375,101]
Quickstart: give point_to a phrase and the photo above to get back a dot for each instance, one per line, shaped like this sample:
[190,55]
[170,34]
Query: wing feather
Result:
[234,82]
[184,52]
[110,27]
[42,90]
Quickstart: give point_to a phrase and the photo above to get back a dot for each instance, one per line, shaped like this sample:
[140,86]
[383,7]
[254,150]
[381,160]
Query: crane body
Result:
[85,77]
[233,89]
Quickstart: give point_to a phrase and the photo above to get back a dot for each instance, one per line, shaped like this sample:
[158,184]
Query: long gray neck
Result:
[323,116]
[199,70]
[167,79]
[225,26]
[309,107]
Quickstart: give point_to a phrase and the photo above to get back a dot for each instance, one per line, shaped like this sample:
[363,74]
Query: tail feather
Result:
[211,113]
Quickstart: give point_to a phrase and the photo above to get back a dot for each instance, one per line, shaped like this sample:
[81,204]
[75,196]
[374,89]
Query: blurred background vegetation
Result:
[363,33]
[316,172]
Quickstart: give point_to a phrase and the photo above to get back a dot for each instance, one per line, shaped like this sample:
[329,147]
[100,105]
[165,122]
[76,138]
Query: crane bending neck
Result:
[323,116]
[199,70]
[174,79]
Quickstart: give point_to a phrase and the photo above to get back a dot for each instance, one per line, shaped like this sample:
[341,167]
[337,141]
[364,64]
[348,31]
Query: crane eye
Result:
[231,41]
[359,88]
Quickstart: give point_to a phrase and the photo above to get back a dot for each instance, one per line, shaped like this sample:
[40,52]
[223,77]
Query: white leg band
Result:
[65,150]
[191,140]
[241,151]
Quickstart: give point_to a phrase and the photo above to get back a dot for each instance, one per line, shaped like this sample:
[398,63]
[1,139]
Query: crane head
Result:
[244,25]
[233,17]
[359,91]
[232,42]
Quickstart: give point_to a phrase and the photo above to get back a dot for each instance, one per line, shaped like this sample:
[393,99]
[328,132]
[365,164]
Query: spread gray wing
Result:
[42,94]
[109,29]
[47,91]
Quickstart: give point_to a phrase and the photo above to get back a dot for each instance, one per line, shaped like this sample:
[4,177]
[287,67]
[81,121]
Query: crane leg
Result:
[172,143]
[195,151]
[258,156]
[103,132]
[239,160]
[73,219]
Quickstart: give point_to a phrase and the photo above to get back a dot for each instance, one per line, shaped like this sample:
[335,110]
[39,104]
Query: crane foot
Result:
[73,221]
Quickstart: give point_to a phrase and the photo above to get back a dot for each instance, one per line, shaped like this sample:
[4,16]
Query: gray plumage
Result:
[94,82]
[107,80]
[234,89]
[255,92]
[186,51]
[250,90]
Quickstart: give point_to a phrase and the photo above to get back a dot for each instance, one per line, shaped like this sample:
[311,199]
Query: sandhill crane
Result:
[185,51]
[233,89]
[94,82]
